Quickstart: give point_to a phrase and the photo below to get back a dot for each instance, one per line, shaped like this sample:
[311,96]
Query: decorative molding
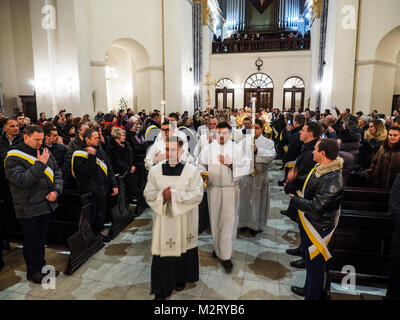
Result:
[377,62]
[150,68]
[317,8]
[98,64]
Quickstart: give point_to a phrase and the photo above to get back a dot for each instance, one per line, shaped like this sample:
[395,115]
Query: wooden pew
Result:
[70,226]
[363,237]
[117,210]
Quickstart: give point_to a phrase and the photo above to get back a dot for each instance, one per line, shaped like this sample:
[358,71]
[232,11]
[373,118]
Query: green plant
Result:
[123,104]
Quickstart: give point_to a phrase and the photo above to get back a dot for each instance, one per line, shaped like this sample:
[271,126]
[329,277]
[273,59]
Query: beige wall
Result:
[278,65]
[16,62]
[378,48]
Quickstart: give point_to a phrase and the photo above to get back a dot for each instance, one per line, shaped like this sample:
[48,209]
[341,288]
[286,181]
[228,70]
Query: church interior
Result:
[188,57]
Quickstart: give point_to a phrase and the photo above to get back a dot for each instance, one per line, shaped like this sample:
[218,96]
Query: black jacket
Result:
[89,175]
[294,145]
[138,146]
[394,209]
[121,157]
[323,196]
[29,185]
[304,164]
[59,152]
[74,145]
[5,146]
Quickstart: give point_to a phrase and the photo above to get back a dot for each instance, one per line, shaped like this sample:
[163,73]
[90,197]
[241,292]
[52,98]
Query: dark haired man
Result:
[35,183]
[152,128]
[173,120]
[225,163]
[58,151]
[173,191]
[319,209]
[21,121]
[42,119]
[9,138]
[309,135]
[76,144]
[93,173]
[294,144]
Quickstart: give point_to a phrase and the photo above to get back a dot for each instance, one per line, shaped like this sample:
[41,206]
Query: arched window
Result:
[261,87]
[293,94]
[225,94]
[225,83]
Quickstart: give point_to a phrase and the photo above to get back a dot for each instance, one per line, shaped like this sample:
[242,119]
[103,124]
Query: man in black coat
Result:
[94,173]
[58,151]
[394,208]
[319,210]
[77,144]
[35,183]
[139,179]
[9,138]
[310,135]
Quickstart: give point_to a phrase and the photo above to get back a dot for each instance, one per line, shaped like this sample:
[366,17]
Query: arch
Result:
[259,80]
[135,49]
[389,47]
[294,82]
[225,83]
[132,61]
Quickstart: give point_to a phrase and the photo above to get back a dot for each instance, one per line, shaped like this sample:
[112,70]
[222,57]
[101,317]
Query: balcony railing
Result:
[270,45]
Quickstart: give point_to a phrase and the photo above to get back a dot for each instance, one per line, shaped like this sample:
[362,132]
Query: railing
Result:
[240,46]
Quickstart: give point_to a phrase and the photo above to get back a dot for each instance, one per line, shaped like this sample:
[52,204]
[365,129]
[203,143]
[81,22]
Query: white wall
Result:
[378,47]
[16,61]
[178,55]
[340,53]
[121,86]
[278,65]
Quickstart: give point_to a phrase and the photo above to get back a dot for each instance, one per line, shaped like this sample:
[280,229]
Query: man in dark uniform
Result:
[58,151]
[10,138]
[35,183]
[309,135]
[93,173]
[319,210]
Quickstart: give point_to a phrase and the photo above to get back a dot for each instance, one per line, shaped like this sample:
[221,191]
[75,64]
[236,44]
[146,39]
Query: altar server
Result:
[173,191]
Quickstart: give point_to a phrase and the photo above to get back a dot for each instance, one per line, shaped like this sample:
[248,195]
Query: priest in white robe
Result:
[225,163]
[156,153]
[174,191]
[254,190]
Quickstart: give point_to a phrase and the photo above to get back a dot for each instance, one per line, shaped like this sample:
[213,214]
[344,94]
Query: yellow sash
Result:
[148,130]
[17,153]
[84,154]
[319,244]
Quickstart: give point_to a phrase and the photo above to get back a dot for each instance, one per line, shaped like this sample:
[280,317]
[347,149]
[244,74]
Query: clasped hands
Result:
[167,195]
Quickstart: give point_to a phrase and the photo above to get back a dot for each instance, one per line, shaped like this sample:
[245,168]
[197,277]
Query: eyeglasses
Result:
[165,130]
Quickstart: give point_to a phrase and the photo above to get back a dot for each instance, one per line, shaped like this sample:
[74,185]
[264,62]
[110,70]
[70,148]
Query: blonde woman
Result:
[120,153]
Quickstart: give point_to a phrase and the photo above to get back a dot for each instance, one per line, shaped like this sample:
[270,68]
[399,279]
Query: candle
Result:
[253,110]
[162,110]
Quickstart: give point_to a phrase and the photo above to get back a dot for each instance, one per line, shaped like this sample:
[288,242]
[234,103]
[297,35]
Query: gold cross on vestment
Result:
[170,243]
[190,238]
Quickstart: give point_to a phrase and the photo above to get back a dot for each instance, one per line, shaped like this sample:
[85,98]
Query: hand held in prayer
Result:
[159,157]
[255,148]
[133,169]
[167,194]
[44,157]
[210,139]
[225,160]
[291,195]
[292,175]
[91,151]
[115,192]
[52,196]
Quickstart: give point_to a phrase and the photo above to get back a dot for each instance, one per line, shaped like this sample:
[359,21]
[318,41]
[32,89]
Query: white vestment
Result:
[176,133]
[254,190]
[223,192]
[175,223]
[159,147]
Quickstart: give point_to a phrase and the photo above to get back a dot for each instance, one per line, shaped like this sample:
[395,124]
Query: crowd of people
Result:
[196,173]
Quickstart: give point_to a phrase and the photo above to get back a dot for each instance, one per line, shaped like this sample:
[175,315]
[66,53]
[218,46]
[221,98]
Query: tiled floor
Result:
[121,270]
